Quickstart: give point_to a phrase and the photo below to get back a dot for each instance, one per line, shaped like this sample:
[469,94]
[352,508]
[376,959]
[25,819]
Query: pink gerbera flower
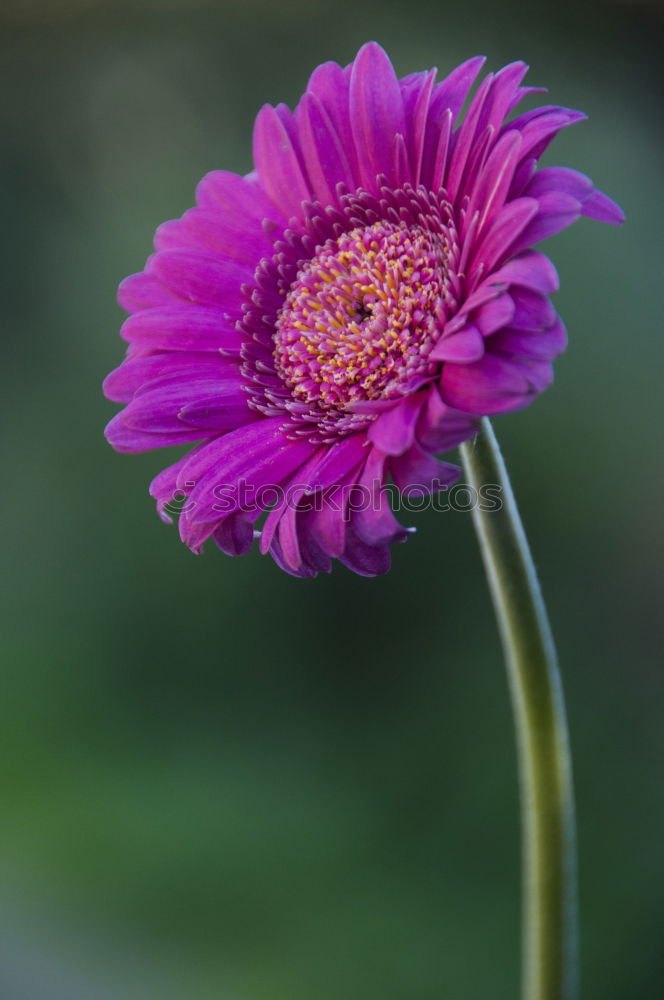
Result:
[349,309]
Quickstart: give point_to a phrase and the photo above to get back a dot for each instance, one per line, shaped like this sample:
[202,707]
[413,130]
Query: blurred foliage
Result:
[217,781]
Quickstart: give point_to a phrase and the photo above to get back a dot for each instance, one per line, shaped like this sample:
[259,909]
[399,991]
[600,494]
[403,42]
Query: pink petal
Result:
[278,165]
[466,345]
[501,235]
[201,278]
[329,84]
[417,468]
[445,104]
[132,441]
[183,328]
[416,113]
[464,140]
[259,453]
[238,197]
[219,232]
[324,156]
[132,374]
[502,93]
[158,409]
[542,345]
[164,489]
[495,384]
[494,182]
[441,427]
[363,559]
[538,128]
[235,534]
[292,492]
[531,269]
[600,206]
[143,291]
[556,211]
[376,113]
[372,519]
[393,431]
[328,525]
[532,311]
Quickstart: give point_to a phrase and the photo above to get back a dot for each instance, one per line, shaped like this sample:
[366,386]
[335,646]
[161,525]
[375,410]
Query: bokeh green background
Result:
[218,781]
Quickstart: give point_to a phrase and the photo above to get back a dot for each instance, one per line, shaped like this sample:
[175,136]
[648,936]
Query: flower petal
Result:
[232,467]
[288,501]
[218,411]
[134,373]
[540,127]
[183,328]
[239,198]
[201,278]
[531,269]
[600,206]
[131,441]
[464,140]
[165,491]
[494,384]
[500,236]
[210,404]
[465,345]
[541,345]
[363,559]
[327,526]
[376,113]
[278,164]
[532,311]
[495,179]
[503,92]
[235,238]
[416,98]
[314,557]
[372,519]
[235,534]
[330,86]
[144,291]
[447,96]
[556,211]
[493,315]
[441,427]
[324,156]
[417,469]
[393,431]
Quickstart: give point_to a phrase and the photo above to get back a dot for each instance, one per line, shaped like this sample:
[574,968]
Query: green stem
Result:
[547,808]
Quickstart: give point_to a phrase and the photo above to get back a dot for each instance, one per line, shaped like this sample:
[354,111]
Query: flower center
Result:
[362,316]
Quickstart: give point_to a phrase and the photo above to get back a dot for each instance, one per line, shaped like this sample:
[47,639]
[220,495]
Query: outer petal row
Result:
[326,502]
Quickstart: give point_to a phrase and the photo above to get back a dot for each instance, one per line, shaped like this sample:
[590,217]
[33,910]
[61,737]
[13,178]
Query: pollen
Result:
[362,316]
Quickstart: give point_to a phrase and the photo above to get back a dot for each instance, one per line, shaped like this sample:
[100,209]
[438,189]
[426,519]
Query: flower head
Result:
[348,309]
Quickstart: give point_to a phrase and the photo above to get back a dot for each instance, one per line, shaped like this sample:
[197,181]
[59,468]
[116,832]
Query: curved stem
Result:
[547,808]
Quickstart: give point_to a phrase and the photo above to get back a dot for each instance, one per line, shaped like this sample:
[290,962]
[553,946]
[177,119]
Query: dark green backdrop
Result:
[217,781]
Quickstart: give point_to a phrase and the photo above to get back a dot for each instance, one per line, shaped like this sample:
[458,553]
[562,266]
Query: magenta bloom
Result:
[328,323]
